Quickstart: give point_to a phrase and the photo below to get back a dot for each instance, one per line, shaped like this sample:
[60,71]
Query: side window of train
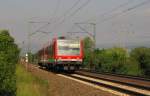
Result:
[50,50]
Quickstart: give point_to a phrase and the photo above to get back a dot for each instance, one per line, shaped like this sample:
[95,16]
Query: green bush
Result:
[111,60]
[88,52]
[130,67]
[116,60]
[9,54]
[142,55]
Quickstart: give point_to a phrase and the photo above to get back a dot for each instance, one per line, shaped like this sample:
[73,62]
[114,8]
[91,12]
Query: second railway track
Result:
[120,86]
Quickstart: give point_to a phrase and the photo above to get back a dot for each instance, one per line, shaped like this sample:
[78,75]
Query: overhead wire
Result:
[55,11]
[124,11]
[72,14]
[39,29]
[52,18]
[78,9]
[110,11]
[70,9]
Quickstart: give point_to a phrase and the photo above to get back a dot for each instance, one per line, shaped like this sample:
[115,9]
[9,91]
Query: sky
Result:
[118,22]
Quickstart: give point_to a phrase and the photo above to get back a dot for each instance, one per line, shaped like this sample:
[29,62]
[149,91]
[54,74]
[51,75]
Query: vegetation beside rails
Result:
[30,85]
[9,55]
[117,60]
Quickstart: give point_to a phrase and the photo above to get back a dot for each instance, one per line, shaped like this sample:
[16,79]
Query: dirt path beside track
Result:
[60,86]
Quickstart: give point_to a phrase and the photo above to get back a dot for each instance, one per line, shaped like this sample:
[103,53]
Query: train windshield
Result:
[68,47]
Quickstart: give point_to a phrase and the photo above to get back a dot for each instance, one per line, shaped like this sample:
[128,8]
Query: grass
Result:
[30,85]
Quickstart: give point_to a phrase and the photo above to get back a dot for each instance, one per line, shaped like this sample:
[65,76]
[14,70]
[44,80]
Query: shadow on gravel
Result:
[57,71]
[7,93]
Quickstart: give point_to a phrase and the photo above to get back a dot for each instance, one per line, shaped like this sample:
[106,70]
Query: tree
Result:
[131,67]
[112,59]
[88,52]
[142,55]
[9,55]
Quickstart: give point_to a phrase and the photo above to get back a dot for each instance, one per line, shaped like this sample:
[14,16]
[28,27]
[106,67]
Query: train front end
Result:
[69,53]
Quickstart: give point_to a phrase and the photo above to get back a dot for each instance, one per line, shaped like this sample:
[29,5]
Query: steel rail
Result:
[117,75]
[117,88]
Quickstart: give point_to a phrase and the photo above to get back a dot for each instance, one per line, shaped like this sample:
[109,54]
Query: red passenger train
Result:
[62,54]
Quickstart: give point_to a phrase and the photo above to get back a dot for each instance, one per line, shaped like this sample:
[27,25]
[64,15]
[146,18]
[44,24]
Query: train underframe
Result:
[61,66]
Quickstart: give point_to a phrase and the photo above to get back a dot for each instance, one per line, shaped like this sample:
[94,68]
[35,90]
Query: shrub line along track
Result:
[120,86]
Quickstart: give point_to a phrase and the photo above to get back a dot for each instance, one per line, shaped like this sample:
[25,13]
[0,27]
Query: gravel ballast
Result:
[60,86]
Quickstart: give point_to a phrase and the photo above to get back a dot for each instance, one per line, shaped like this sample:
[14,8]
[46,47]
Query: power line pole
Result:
[85,31]
[38,30]
[93,35]
[32,33]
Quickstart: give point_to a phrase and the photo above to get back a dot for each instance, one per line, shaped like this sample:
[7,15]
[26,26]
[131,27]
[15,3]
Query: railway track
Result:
[117,75]
[127,88]
[121,85]
[135,81]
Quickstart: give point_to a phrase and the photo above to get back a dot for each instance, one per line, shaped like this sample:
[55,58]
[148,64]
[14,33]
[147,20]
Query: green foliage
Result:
[33,58]
[111,60]
[117,60]
[131,67]
[114,60]
[88,44]
[88,52]
[142,55]
[30,85]
[9,54]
